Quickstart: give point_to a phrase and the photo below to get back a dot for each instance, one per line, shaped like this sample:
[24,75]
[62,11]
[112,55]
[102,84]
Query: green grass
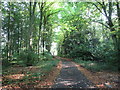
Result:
[44,68]
[96,66]
[47,65]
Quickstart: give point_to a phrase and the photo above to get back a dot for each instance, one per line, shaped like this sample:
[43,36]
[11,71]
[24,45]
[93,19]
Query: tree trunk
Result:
[8,34]
[40,24]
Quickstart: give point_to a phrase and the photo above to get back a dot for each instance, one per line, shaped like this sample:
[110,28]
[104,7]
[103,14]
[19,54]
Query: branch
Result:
[98,22]
[101,23]
[47,7]
[34,6]
[98,8]
[104,9]
[118,10]
[110,9]
[53,13]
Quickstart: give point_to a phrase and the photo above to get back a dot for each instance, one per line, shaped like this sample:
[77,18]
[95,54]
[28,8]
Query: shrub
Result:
[47,56]
[5,63]
[27,58]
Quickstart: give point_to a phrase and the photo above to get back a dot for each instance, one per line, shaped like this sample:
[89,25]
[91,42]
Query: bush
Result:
[5,63]
[27,58]
[47,56]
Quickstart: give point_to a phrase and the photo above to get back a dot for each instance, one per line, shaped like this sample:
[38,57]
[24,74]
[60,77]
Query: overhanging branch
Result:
[101,23]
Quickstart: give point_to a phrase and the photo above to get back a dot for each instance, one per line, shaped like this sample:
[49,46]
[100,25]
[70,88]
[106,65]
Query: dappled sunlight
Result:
[91,87]
[77,65]
[92,64]
[73,83]
[65,79]
[100,86]
[59,66]
[71,77]
[15,76]
[67,66]
[35,78]
[42,65]
[67,82]
[60,44]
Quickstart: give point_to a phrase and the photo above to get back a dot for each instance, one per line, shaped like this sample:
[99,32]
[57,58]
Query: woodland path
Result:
[71,77]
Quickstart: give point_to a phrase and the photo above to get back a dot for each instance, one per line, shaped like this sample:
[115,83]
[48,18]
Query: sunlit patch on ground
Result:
[67,66]
[49,80]
[67,59]
[32,76]
[71,77]
[15,76]
[66,83]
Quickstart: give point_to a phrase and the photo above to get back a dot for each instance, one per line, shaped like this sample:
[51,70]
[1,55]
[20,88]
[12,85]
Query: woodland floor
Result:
[66,74]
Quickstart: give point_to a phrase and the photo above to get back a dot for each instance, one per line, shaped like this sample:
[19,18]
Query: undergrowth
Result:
[96,66]
[44,67]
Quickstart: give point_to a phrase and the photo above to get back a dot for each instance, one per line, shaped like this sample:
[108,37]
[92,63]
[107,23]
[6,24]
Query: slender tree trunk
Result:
[118,43]
[40,25]
[18,39]
[30,25]
[31,11]
[21,39]
[8,35]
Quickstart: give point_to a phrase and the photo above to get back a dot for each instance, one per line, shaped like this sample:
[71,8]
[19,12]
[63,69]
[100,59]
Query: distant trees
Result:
[27,30]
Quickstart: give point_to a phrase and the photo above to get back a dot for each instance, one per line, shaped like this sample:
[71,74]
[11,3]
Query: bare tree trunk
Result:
[40,24]
[118,14]
[8,35]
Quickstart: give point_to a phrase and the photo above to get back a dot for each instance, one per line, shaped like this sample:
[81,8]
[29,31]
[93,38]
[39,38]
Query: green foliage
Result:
[111,58]
[29,29]
[47,65]
[27,58]
[47,56]
[95,66]
[5,63]
[44,67]
[25,26]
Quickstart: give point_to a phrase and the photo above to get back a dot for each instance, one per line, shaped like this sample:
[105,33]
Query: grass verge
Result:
[96,66]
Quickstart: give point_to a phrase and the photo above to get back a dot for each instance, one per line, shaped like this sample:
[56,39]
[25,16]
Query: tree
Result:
[107,8]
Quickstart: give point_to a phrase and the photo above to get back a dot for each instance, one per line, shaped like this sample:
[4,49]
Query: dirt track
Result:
[71,77]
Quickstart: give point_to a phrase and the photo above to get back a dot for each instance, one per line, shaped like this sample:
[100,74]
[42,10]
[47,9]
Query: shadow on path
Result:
[71,77]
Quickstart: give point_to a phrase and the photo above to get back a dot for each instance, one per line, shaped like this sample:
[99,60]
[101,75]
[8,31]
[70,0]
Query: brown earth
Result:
[20,72]
[101,79]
